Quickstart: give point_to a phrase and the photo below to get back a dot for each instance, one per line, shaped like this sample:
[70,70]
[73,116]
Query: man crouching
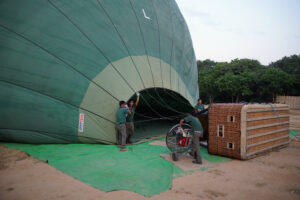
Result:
[197,132]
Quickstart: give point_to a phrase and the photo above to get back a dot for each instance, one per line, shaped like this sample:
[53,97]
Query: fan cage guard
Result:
[176,142]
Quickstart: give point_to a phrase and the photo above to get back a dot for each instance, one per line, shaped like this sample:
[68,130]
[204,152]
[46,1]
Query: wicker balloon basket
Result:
[244,131]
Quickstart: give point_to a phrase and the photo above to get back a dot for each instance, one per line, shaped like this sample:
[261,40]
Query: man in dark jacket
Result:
[197,132]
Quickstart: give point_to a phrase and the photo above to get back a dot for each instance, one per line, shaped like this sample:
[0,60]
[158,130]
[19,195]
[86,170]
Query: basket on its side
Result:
[244,131]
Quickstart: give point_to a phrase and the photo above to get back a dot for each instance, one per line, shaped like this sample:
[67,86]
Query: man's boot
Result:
[198,159]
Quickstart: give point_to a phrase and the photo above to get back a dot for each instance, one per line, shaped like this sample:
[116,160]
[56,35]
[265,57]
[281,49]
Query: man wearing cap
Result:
[197,132]
[129,120]
[122,113]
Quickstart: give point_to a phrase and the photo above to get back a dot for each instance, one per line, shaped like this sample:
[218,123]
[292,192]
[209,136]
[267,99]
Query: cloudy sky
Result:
[223,30]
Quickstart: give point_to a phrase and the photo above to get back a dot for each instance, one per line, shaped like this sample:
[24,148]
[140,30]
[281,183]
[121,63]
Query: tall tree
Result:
[207,84]
[238,66]
[276,81]
[235,85]
[227,83]
[205,64]
[290,65]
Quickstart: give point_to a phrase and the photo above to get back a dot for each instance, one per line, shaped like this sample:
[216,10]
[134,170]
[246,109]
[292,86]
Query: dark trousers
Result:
[121,134]
[129,130]
[196,145]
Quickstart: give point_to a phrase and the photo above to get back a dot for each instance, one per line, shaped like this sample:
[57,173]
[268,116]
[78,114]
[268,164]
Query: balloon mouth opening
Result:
[158,110]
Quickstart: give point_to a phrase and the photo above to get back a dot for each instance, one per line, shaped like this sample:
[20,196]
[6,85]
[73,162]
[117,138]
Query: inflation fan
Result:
[179,140]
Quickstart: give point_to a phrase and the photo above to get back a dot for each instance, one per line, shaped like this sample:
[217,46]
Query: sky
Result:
[222,30]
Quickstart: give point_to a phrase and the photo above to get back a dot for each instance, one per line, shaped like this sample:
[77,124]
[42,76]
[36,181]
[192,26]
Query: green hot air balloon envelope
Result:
[65,65]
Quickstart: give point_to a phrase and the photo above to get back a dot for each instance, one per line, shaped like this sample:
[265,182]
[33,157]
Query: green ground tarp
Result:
[293,133]
[140,170]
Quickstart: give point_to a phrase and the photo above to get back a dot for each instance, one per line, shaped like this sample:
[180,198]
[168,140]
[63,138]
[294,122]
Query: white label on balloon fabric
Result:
[81,122]
[145,15]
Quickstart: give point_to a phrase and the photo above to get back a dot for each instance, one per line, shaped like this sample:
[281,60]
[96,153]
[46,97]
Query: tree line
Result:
[247,80]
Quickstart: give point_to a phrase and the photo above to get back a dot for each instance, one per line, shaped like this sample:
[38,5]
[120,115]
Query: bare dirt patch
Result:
[10,156]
